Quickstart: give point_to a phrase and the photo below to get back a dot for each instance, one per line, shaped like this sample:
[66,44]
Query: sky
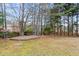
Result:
[12,10]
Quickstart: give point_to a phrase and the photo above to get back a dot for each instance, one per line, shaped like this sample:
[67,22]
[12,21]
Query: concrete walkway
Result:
[24,37]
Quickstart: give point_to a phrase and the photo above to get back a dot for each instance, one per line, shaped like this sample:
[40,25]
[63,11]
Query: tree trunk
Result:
[68,25]
[72,25]
[41,24]
[4,18]
[77,25]
[57,28]
[22,19]
[64,25]
[60,27]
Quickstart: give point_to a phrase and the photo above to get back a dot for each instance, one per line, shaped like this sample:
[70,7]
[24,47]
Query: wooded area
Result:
[60,19]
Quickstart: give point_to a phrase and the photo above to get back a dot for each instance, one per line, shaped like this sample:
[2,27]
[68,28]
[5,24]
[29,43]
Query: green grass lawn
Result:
[40,47]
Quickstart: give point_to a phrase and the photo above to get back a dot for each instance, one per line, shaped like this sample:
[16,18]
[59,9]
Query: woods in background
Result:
[41,18]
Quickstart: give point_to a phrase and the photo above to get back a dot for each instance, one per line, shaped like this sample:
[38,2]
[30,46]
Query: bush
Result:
[47,30]
[9,34]
[13,34]
[28,31]
[1,34]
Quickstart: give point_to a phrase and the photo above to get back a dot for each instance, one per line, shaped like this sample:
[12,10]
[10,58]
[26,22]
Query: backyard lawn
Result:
[43,46]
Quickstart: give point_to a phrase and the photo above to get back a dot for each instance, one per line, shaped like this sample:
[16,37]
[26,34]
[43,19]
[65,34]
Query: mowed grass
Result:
[43,46]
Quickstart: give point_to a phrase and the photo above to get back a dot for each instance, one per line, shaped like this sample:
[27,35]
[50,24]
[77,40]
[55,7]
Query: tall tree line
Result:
[57,18]
[68,10]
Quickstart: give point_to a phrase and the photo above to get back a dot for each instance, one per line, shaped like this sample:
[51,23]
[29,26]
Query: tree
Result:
[55,20]
[21,19]
[1,15]
[4,18]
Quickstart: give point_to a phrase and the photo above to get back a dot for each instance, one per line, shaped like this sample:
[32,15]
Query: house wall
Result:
[13,28]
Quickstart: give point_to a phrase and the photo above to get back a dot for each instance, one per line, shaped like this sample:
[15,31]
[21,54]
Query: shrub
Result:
[12,34]
[28,31]
[1,34]
[9,34]
[47,30]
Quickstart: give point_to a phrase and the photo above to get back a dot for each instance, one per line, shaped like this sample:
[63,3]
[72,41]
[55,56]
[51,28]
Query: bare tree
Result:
[21,18]
[4,18]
